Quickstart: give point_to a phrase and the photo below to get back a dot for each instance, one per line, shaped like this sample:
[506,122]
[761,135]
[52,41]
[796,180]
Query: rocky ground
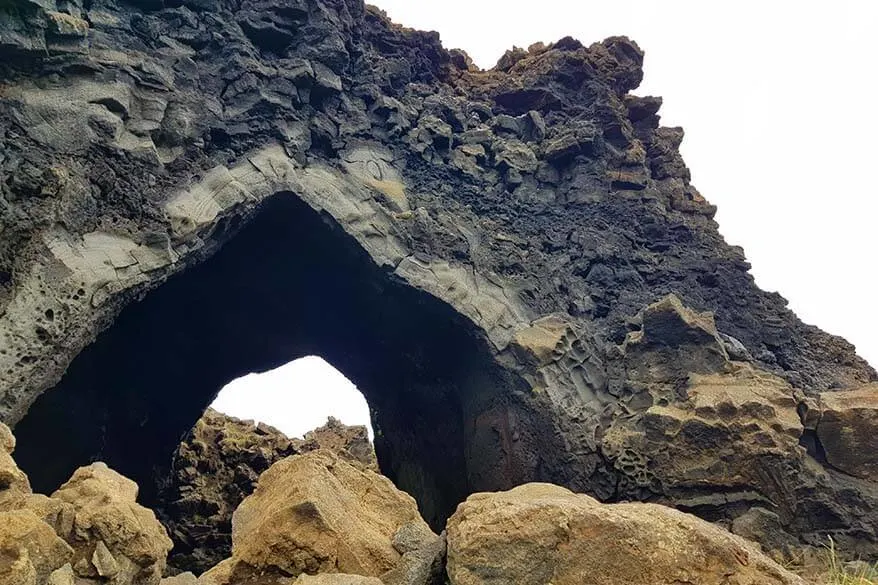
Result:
[323,516]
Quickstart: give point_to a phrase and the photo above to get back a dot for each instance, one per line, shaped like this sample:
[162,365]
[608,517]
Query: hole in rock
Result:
[295,398]
[291,283]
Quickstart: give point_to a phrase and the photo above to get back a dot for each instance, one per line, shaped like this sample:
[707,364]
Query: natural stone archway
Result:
[556,301]
[290,284]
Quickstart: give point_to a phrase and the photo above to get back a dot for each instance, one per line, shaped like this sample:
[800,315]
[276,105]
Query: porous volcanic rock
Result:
[351,443]
[218,464]
[316,513]
[540,533]
[193,191]
[703,420]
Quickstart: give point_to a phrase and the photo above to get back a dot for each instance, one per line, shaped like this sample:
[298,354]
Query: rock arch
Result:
[291,280]
[594,328]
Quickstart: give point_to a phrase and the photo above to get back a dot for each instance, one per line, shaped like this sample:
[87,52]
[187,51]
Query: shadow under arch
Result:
[291,283]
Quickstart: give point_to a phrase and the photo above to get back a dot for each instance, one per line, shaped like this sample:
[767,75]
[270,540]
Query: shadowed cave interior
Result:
[291,283]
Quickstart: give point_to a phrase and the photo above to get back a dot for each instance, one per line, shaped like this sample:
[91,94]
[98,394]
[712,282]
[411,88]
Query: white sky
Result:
[295,398]
[778,100]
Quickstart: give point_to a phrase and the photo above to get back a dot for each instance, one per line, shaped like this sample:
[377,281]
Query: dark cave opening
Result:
[291,283]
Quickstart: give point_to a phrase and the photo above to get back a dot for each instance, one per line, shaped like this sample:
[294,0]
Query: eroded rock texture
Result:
[91,531]
[316,513]
[193,192]
[218,465]
[540,533]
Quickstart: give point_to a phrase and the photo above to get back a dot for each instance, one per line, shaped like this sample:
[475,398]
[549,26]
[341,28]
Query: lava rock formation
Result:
[512,265]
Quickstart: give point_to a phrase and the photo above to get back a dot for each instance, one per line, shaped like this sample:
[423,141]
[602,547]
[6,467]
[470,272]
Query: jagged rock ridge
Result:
[488,255]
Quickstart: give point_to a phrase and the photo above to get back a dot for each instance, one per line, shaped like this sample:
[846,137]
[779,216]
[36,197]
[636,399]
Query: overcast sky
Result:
[778,100]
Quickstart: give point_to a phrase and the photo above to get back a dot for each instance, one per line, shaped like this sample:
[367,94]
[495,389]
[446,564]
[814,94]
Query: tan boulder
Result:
[115,539]
[56,513]
[540,533]
[62,576]
[29,549]
[7,439]
[223,573]
[185,578]
[336,579]
[14,485]
[317,513]
[848,430]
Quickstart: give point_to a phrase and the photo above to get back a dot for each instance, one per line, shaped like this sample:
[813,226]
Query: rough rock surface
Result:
[29,549]
[14,485]
[90,531]
[351,443]
[217,466]
[315,513]
[115,539]
[336,579]
[719,437]
[848,430]
[475,249]
[540,533]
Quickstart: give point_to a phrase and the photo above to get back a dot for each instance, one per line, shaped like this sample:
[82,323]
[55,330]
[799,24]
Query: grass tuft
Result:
[839,572]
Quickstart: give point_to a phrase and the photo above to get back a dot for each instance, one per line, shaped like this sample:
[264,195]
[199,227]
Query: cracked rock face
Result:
[191,192]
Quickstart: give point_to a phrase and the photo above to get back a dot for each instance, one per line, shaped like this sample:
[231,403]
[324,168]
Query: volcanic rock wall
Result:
[537,215]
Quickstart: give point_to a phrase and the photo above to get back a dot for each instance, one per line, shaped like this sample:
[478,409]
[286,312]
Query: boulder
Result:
[317,513]
[764,526]
[542,533]
[186,578]
[422,563]
[29,549]
[848,430]
[336,579]
[56,513]
[7,440]
[114,539]
[14,485]
[218,464]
